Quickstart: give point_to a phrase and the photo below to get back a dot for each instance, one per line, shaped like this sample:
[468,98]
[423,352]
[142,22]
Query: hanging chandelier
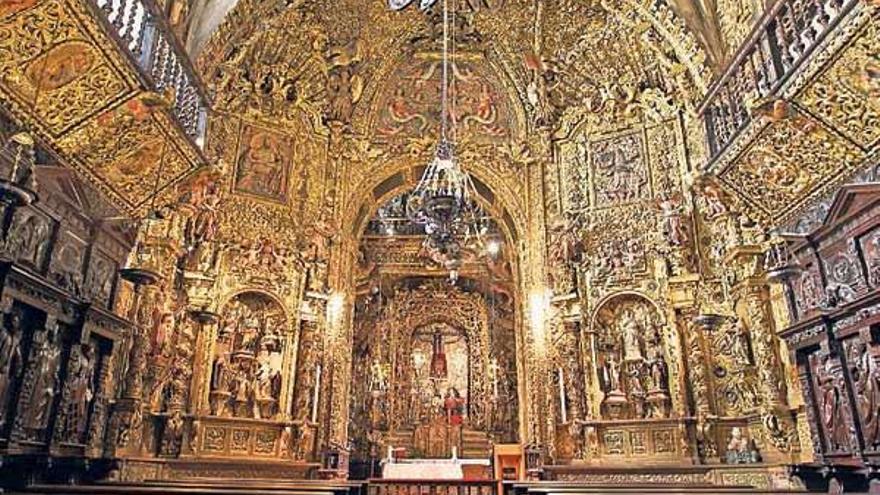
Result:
[443,200]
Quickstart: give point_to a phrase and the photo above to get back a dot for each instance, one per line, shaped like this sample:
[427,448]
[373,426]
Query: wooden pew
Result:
[165,489]
[573,487]
[265,484]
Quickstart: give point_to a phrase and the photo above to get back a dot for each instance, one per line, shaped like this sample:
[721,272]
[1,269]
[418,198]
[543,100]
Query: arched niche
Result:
[246,378]
[632,354]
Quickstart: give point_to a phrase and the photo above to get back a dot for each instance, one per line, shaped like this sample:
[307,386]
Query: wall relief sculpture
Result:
[263,163]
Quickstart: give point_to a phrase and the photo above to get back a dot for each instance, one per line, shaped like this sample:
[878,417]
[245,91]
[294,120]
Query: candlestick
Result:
[495,378]
[562,408]
[316,394]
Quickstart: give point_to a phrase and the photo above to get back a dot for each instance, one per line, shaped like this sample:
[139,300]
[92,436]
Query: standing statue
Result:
[672,226]
[630,332]
[833,407]
[44,360]
[81,395]
[10,358]
[659,371]
[740,344]
[344,85]
[454,407]
[865,376]
[611,374]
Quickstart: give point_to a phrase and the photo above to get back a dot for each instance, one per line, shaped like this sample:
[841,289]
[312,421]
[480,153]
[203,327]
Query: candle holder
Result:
[139,276]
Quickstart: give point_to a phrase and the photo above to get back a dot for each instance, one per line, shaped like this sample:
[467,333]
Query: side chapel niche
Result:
[246,368]
[632,361]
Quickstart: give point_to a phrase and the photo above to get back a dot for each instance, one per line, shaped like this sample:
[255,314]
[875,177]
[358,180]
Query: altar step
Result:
[474,444]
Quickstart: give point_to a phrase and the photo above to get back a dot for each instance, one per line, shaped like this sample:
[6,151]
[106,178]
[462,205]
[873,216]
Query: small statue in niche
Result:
[241,392]
[11,361]
[344,85]
[202,227]
[378,377]
[741,450]
[82,374]
[672,227]
[611,374]
[630,331]
[44,360]
[740,344]
[832,406]
[659,371]
[636,391]
[865,378]
[250,332]
[267,390]
[220,386]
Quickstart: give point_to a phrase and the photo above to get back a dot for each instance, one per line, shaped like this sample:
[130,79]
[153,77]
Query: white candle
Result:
[495,378]
[562,408]
[316,394]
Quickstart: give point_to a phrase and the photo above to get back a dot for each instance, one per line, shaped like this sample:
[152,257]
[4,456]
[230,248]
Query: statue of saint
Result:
[833,407]
[46,357]
[82,392]
[454,407]
[10,359]
[219,376]
[659,371]
[630,331]
[611,374]
[865,376]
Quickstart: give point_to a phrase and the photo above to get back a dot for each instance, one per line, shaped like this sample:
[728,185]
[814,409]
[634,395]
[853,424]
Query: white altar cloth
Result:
[428,469]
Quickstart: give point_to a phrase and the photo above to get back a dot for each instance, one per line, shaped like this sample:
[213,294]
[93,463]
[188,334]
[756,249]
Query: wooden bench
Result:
[266,484]
[574,487]
[165,489]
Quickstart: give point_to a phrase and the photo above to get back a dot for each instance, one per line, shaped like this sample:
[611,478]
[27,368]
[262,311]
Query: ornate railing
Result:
[142,31]
[784,37]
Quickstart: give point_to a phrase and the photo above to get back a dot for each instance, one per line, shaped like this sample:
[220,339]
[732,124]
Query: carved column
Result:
[539,432]
[693,327]
[336,371]
[751,296]
[126,422]
[144,270]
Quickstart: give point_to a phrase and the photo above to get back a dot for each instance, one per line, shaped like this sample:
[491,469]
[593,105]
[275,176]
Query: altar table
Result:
[429,469]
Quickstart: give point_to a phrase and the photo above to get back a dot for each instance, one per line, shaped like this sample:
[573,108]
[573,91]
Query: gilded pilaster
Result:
[775,425]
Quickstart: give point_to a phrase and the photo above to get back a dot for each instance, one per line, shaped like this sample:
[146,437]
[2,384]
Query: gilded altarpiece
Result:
[631,267]
[404,400]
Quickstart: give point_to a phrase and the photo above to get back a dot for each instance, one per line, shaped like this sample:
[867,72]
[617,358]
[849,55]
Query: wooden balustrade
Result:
[142,31]
[784,37]
[379,486]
